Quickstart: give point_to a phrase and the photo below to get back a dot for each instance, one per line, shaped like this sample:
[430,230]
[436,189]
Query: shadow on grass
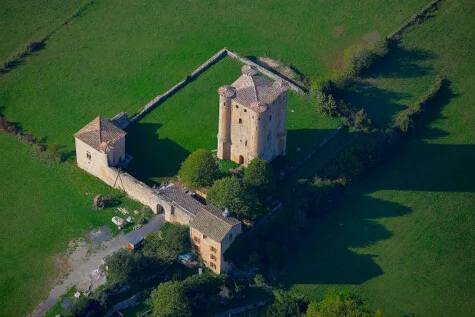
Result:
[381,104]
[153,158]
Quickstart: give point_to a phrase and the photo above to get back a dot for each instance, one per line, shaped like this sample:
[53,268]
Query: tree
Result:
[200,169]
[126,266]
[231,193]
[167,243]
[259,279]
[169,300]
[286,305]
[260,176]
[340,305]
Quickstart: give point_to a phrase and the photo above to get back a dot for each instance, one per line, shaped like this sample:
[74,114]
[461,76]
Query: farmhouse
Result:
[252,118]
[100,150]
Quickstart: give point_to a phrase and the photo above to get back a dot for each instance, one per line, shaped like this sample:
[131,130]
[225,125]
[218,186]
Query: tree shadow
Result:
[153,158]
[20,57]
[325,255]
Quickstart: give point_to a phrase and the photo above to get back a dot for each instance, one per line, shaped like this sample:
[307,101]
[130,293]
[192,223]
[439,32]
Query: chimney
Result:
[226,212]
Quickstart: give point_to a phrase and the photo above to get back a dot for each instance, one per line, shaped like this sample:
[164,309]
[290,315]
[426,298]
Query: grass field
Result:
[189,121]
[42,208]
[118,55]
[403,237]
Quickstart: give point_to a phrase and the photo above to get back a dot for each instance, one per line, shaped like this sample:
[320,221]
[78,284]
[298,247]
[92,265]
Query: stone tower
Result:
[252,118]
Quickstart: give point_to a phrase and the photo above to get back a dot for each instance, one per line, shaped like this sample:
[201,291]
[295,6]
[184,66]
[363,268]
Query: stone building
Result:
[100,143]
[100,150]
[252,118]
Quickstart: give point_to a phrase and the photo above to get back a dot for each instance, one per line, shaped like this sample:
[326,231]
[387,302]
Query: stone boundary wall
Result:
[266,217]
[210,62]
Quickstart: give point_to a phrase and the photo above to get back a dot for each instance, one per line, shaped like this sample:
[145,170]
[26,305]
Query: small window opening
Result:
[172,210]
[88,155]
[245,110]
[204,237]
[240,120]
[237,107]
[270,118]
[245,143]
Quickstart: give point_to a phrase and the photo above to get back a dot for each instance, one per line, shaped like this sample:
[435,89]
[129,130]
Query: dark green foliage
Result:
[260,177]
[84,307]
[259,279]
[286,305]
[128,266]
[203,291]
[340,305]
[169,300]
[405,120]
[199,169]
[232,193]
[358,58]
[167,243]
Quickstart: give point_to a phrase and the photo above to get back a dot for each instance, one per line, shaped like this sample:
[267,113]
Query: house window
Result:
[240,120]
[197,240]
[245,110]
[204,237]
[172,210]
[230,236]
[213,265]
[88,155]
[212,257]
[237,107]
[245,143]
[213,249]
[270,118]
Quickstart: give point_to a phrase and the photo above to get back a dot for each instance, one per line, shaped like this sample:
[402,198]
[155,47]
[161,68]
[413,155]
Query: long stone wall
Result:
[211,61]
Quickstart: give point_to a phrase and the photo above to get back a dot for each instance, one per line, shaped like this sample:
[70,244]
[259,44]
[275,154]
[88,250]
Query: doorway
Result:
[241,159]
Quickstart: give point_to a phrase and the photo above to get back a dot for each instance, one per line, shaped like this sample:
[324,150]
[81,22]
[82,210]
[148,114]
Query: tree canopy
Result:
[125,265]
[167,243]
[340,305]
[169,300]
[232,193]
[200,169]
[286,305]
[260,176]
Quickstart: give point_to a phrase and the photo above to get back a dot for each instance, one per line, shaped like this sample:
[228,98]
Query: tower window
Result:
[270,118]
[245,143]
[245,110]
[240,120]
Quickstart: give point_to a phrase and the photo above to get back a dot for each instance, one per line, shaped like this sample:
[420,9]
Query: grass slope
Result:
[404,236]
[118,55]
[42,209]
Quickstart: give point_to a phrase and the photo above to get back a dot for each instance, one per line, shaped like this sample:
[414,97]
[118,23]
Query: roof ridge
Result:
[255,89]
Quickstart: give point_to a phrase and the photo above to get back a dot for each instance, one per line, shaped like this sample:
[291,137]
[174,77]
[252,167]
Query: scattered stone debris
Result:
[91,281]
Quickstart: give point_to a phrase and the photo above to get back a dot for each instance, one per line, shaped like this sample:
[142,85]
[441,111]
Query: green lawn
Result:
[42,208]
[403,237]
[189,120]
[26,21]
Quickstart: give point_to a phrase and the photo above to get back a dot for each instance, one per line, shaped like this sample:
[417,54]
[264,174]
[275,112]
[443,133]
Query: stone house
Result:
[252,118]
[100,150]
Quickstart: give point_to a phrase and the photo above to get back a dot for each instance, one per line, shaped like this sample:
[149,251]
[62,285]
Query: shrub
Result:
[286,305]
[199,169]
[167,243]
[259,279]
[169,300]
[260,176]
[54,153]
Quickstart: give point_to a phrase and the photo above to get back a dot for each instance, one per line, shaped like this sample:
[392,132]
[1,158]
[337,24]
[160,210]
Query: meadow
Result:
[189,121]
[403,236]
[116,56]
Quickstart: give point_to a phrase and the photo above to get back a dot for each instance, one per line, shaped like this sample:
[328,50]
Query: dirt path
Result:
[83,263]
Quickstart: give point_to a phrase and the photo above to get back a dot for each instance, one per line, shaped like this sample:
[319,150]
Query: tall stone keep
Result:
[252,118]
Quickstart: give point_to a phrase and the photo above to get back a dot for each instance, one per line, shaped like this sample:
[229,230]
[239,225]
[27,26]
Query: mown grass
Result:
[42,207]
[403,237]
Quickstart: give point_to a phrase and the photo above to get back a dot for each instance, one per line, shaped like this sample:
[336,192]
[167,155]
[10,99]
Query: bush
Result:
[340,305]
[260,177]
[200,169]
[286,305]
[54,153]
[169,300]
[231,193]
[259,279]
[84,306]
[126,266]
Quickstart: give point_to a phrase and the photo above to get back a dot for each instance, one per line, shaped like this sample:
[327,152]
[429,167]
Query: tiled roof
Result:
[182,199]
[256,91]
[99,133]
[211,222]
